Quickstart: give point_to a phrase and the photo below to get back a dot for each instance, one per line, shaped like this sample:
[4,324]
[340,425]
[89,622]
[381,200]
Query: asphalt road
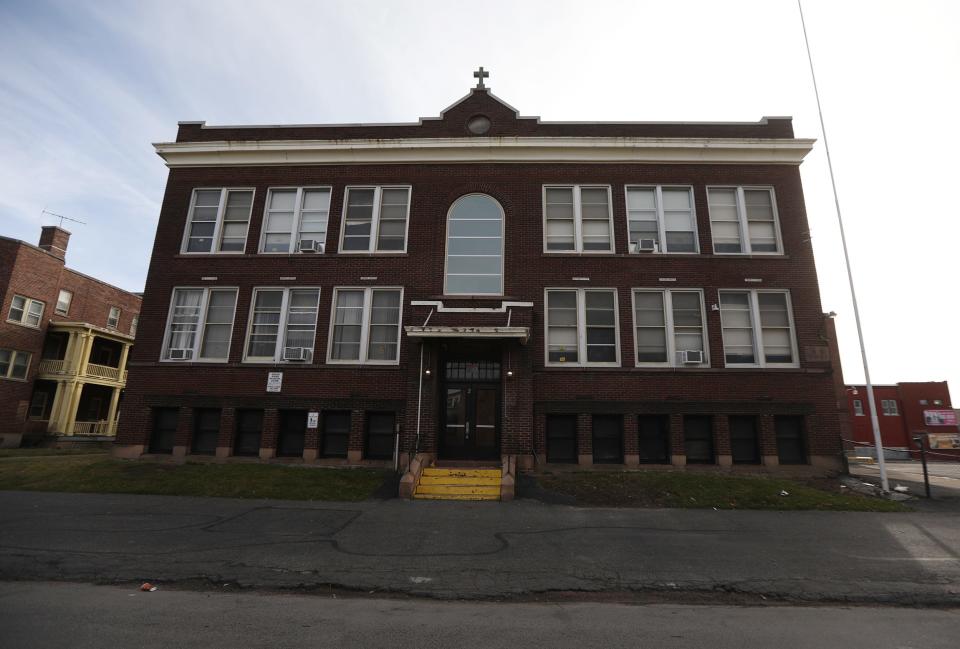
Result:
[75,616]
[480,550]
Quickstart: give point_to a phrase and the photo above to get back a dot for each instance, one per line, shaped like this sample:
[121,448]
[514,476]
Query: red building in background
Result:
[900,410]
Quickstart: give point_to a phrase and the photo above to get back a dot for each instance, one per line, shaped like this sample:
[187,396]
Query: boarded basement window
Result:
[293,428]
[607,439]
[791,442]
[654,431]
[249,431]
[561,438]
[336,433]
[164,429]
[744,442]
[206,431]
[698,439]
[380,435]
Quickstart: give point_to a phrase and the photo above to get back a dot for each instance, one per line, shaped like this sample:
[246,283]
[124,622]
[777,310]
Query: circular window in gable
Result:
[478,124]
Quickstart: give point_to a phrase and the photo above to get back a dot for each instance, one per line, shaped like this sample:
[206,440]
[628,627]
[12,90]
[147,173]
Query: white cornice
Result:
[487,149]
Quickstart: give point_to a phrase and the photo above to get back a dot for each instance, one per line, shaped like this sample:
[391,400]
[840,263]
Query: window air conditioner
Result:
[180,354]
[692,357]
[310,245]
[296,353]
[645,245]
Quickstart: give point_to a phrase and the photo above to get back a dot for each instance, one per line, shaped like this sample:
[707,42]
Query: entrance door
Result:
[471,422]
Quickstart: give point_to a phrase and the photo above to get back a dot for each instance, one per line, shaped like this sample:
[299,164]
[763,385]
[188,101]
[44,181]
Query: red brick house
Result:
[484,286]
[904,410]
[64,339]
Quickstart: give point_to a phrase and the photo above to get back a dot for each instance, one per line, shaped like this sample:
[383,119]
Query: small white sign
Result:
[313,419]
[274,381]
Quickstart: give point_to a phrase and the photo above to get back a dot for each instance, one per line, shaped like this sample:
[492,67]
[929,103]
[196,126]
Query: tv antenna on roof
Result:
[62,218]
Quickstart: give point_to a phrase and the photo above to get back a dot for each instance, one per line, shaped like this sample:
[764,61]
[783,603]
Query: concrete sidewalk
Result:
[480,550]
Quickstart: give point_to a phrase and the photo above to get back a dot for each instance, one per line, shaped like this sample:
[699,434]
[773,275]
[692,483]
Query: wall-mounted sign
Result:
[940,417]
[940,441]
[313,419]
[274,381]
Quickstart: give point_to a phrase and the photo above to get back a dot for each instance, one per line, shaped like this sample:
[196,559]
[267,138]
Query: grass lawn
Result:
[703,490]
[99,474]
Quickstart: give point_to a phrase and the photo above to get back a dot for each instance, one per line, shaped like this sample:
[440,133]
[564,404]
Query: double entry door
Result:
[471,426]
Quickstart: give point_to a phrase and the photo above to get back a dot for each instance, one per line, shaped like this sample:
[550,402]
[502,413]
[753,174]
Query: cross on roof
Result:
[480,75]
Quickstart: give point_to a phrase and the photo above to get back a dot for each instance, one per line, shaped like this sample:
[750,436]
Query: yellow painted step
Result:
[447,479]
[460,489]
[455,497]
[463,473]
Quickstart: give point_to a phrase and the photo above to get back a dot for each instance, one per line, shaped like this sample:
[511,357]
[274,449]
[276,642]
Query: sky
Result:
[85,88]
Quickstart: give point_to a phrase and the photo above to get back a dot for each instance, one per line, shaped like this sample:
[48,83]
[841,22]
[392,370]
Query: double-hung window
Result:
[663,214]
[218,221]
[200,324]
[577,218]
[858,407]
[113,318]
[365,326]
[670,328]
[296,219]
[744,221]
[375,219]
[14,364]
[889,407]
[758,329]
[283,325]
[25,311]
[582,327]
[64,298]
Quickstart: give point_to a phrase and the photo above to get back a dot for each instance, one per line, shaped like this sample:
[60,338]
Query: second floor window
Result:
[25,311]
[577,219]
[113,318]
[218,220]
[474,247]
[375,219]
[757,329]
[744,220]
[670,328]
[365,325]
[858,407]
[283,324]
[889,407]
[296,220]
[200,324]
[663,214]
[63,302]
[582,327]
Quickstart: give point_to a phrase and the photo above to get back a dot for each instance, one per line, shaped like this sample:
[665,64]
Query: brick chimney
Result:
[54,240]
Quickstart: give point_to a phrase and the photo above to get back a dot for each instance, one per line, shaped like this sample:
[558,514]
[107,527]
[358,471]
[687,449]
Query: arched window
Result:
[474,247]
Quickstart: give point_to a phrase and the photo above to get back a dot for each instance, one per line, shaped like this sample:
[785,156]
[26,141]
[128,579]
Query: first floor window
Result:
[577,218]
[200,324]
[744,439]
[663,214]
[858,407]
[698,439]
[366,325]
[218,220]
[791,442]
[744,220]
[14,364]
[654,434]
[757,328]
[380,435]
[63,302]
[669,328]
[296,215]
[283,325]
[607,439]
[206,430]
[336,433]
[889,407]
[249,431]
[582,327]
[375,219]
[113,318]
[25,311]
[562,438]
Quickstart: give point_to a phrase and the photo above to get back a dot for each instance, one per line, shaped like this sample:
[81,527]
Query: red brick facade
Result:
[534,390]
[899,425]
[29,271]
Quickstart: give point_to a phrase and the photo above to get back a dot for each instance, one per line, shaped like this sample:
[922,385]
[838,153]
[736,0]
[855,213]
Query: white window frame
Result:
[890,407]
[115,320]
[578,218]
[134,323]
[294,246]
[69,302]
[277,357]
[668,323]
[858,407]
[581,326]
[661,219]
[201,324]
[218,224]
[13,357]
[745,243]
[27,303]
[758,329]
[365,326]
[374,220]
[503,243]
